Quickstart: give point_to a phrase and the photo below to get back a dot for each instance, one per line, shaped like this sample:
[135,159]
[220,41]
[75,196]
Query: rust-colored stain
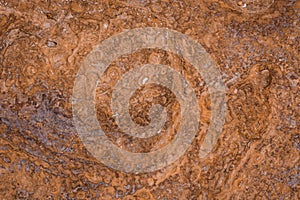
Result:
[254,45]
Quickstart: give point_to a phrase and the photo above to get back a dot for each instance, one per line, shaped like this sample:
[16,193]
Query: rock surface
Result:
[256,48]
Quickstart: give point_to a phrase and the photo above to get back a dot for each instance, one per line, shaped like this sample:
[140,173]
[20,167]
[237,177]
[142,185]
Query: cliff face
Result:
[254,47]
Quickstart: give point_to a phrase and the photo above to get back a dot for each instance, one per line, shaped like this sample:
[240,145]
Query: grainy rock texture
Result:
[254,43]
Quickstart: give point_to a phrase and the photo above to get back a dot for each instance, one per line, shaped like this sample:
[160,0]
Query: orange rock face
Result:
[247,52]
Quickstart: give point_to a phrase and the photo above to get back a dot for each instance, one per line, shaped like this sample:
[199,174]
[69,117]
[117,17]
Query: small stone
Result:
[144,80]
[150,181]
[51,43]
[105,26]
[188,31]
[240,3]
[154,58]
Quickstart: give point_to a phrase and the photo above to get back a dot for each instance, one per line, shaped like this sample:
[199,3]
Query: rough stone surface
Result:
[256,48]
